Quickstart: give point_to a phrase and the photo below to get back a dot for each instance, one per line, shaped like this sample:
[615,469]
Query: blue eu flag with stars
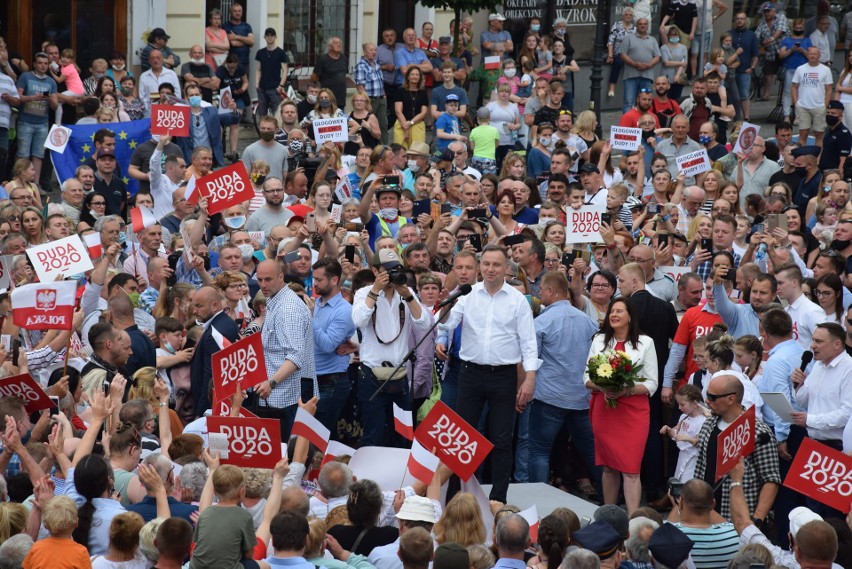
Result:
[81,145]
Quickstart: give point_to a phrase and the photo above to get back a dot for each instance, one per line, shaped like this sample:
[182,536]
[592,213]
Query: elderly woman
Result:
[364,506]
[235,287]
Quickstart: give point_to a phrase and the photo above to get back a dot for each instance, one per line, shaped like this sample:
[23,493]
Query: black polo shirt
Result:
[115,194]
[837,142]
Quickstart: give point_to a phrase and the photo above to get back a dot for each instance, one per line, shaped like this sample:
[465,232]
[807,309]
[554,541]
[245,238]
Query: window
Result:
[309,24]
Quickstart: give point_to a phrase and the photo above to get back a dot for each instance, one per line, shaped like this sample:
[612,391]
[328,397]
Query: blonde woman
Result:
[461,522]
[367,128]
[584,127]
[142,387]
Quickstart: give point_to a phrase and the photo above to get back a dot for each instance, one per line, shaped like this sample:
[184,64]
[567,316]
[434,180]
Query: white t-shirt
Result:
[6,86]
[812,81]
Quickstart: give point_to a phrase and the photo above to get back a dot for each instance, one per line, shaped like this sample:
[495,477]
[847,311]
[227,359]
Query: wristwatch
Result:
[272,383]
[408,298]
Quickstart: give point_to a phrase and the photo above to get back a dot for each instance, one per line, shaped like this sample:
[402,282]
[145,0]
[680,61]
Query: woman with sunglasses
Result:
[621,432]
[94,207]
[719,360]
[235,288]
[828,293]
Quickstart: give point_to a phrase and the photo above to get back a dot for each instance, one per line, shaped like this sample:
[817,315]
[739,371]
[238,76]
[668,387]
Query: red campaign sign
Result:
[822,473]
[242,362]
[736,441]
[253,443]
[691,163]
[170,119]
[223,409]
[224,188]
[24,387]
[460,446]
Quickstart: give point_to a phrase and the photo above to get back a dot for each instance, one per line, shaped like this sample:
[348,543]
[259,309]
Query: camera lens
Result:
[397,277]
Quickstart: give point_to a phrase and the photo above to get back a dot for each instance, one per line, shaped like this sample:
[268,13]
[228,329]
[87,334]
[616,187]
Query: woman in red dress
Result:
[621,432]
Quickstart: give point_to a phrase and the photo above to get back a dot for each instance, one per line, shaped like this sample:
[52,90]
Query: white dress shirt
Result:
[806,315]
[387,517]
[498,330]
[162,188]
[827,398]
[387,321]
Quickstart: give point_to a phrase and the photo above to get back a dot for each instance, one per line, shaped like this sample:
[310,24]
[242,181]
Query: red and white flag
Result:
[335,449]
[422,464]
[93,244]
[306,425]
[221,340]
[403,422]
[44,306]
[142,217]
[531,515]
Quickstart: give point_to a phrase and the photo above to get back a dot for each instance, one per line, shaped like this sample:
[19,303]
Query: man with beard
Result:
[273,212]
[110,351]
[664,108]
[644,102]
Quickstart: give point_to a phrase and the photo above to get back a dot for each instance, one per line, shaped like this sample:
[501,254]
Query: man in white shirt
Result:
[416,511]
[150,81]
[812,83]
[805,313]
[497,335]
[163,185]
[592,182]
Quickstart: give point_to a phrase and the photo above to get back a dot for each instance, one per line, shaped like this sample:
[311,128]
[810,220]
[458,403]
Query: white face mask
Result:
[412,165]
[246,250]
[312,99]
[388,213]
[198,61]
[510,72]
[118,67]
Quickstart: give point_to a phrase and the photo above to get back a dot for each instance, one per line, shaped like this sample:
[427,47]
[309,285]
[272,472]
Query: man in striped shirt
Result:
[716,540]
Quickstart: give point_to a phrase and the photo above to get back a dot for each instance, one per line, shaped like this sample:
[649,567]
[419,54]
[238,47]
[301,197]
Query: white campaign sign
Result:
[748,134]
[57,138]
[675,272]
[625,138]
[694,163]
[64,257]
[583,225]
[331,130]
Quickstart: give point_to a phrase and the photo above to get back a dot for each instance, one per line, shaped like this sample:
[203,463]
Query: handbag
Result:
[383,373]
[433,398]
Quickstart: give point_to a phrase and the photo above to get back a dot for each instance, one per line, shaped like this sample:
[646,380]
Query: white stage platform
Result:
[546,499]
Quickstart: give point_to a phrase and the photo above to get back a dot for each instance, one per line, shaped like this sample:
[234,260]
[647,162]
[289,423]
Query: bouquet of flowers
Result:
[613,371]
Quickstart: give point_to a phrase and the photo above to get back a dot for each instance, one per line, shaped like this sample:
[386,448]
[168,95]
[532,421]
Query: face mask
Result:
[122,237]
[295,146]
[312,99]
[727,45]
[510,72]
[235,222]
[677,259]
[840,244]
[127,91]
[674,39]
[560,32]
[95,214]
[831,120]
[545,140]
[267,136]
[646,134]
[198,61]
[801,171]
[535,27]
[412,165]
[705,140]
[325,103]
[118,67]
[99,75]
[246,250]
[388,213]
[195,101]
[168,347]
[134,298]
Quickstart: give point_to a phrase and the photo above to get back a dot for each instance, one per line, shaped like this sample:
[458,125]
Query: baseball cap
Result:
[452,97]
[834,104]
[442,156]
[386,189]
[445,39]
[767,6]
[389,259]
[417,509]
[104,152]
[270,32]
[801,516]
[158,33]
[589,168]
[496,16]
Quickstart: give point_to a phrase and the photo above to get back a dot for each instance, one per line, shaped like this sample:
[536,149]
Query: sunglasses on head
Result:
[645,90]
[714,397]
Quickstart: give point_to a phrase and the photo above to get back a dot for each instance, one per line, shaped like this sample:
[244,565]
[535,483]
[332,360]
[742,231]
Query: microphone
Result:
[463,290]
[807,357]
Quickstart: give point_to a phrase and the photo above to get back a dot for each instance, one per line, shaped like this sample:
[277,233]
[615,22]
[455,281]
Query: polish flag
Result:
[44,306]
[142,217]
[335,449]
[531,515]
[403,422]
[306,425]
[492,62]
[221,340]
[422,464]
[242,311]
[93,243]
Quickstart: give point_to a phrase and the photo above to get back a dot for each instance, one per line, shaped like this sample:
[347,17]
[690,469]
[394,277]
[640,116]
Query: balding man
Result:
[409,55]
[762,477]
[658,283]
[812,83]
[208,305]
[150,81]
[72,199]
[331,70]
[511,538]
[688,208]
[754,170]
[197,71]
[288,348]
[678,145]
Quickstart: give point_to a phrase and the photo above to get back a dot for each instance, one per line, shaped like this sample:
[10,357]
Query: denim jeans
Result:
[377,415]
[497,388]
[631,89]
[268,101]
[450,385]
[522,448]
[787,94]
[333,396]
[545,423]
[743,85]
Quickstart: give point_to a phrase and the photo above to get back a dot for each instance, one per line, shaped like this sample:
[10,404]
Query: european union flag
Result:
[128,135]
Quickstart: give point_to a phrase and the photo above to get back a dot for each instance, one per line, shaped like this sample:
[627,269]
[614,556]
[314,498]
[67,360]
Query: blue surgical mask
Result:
[122,237]
[535,27]
[195,100]
[235,222]
[674,39]
[705,140]
[169,348]
[324,103]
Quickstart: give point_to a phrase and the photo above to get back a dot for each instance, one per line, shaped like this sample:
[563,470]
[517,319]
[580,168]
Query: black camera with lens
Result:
[397,276]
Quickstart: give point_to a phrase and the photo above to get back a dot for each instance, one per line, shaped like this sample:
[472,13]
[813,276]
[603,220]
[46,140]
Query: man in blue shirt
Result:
[147,508]
[785,355]
[408,55]
[37,93]
[496,34]
[239,34]
[745,41]
[333,327]
[561,398]
[742,319]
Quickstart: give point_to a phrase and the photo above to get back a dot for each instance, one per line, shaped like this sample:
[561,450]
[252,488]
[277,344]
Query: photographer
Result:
[388,221]
[384,314]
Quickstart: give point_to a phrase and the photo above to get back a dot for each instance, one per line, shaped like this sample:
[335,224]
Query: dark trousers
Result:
[787,499]
[334,390]
[377,414]
[652,462]
[390,93]
[498,388]
[285,415]
[546,421]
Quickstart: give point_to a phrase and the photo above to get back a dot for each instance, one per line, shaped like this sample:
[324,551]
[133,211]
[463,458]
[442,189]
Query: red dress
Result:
[620,433]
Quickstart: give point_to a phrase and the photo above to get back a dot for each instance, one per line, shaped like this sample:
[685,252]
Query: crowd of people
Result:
[432,258]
